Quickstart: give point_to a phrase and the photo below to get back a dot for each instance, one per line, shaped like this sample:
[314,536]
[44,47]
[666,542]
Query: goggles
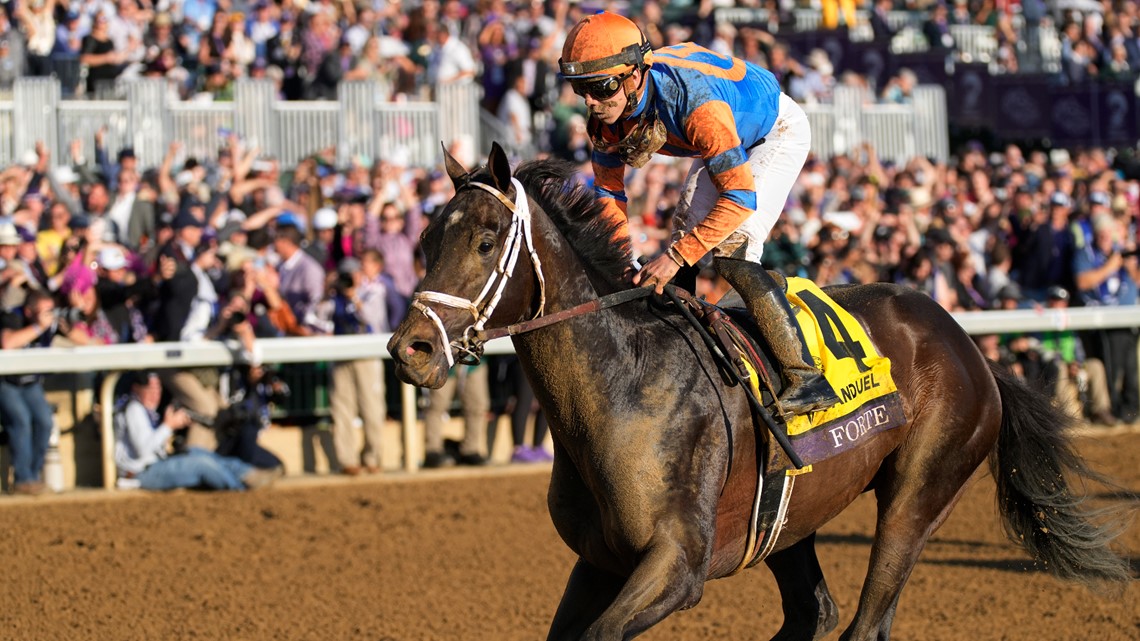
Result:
[602,89]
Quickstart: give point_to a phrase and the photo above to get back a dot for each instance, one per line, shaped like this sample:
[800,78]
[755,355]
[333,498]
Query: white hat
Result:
[324,218]
[29,158]
[65,175]
[9,235]
[111,258]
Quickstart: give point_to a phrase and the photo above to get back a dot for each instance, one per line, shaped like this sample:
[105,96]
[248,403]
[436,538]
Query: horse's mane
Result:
[576,213]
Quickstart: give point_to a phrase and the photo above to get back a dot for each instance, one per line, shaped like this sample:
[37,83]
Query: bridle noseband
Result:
[470,346]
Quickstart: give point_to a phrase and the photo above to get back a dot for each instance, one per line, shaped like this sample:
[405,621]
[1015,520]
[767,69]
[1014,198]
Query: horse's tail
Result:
[1039,510]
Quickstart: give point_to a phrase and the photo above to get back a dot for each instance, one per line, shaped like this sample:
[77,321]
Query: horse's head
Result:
[472,250]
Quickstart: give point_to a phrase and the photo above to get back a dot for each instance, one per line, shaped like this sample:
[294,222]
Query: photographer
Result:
[1107,274]
[142,448]
[358,305]
[188,304]
[24,412]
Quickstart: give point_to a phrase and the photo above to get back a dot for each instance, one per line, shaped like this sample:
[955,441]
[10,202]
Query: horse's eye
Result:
[486,246]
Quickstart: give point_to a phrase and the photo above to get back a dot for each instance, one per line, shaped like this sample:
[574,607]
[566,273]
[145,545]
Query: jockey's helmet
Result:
[604,45]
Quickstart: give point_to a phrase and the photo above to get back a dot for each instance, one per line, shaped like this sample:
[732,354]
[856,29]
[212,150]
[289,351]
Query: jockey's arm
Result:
[711,128]
[609,186]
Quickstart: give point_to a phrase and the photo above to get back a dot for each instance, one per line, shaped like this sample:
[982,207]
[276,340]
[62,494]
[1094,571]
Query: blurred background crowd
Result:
[97,249]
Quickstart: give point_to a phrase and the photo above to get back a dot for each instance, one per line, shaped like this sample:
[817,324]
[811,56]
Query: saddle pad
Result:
[869,401]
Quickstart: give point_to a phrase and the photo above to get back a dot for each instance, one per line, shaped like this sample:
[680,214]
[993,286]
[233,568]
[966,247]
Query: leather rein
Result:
[470,345]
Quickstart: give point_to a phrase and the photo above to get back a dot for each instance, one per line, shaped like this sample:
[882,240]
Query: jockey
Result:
[743,133]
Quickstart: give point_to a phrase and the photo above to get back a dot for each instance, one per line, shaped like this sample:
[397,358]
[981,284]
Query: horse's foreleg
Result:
[588,593]
[662,583]
[607,608]
[809,611]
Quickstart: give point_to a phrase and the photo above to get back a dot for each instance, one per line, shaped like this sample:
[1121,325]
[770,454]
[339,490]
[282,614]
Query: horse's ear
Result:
[454,168]
[500,168]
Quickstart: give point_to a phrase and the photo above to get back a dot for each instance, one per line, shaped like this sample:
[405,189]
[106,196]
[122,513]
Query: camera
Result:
[238,317]
[69,315]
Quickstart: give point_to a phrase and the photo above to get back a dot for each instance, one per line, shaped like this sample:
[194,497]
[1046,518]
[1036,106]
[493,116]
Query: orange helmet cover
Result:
[598,37]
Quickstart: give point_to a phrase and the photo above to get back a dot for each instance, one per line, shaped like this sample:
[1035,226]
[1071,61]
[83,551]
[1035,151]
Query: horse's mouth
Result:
[418,363]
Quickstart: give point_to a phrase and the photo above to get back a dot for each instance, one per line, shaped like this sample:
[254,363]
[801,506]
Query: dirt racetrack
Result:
[459,556]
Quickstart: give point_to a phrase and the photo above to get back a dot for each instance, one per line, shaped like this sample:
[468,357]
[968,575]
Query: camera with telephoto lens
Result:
[68,315]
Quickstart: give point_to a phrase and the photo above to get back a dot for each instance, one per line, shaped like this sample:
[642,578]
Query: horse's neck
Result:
[574,361]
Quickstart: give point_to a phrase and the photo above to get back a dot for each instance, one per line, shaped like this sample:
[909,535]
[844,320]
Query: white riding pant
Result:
[775,166]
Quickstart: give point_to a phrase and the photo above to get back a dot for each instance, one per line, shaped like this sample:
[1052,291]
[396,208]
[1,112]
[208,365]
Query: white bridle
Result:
[520,231]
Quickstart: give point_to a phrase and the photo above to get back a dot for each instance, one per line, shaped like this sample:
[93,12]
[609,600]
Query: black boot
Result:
[805,388]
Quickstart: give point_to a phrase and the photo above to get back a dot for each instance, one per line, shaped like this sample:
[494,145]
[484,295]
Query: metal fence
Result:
[363,123]
[898,132]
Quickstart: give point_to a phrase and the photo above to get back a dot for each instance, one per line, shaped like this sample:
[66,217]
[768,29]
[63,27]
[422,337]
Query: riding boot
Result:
[805,388]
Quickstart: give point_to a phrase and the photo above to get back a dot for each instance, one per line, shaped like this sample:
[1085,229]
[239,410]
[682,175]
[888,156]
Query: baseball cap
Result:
[65,175]
[186,219]
[111,258]
[141,377]
[1056,292]
[1059,199]
[348,265]
[290,219]
[1100,198]
[9,235]
[937,236]
[324,218]
[1010,292]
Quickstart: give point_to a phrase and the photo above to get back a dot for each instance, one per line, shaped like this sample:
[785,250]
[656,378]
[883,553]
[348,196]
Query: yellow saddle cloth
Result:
[859,374]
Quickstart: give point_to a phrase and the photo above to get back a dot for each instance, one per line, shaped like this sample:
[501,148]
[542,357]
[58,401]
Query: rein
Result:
[470,345]
[598,304]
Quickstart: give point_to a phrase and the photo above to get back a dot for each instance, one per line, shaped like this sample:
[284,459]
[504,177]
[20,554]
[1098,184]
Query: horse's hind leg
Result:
[809,611]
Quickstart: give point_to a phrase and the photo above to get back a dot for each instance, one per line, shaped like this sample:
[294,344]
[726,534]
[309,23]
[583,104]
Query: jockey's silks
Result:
[714,107]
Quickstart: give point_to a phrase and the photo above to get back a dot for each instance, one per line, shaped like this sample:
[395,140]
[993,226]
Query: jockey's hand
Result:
[657,273]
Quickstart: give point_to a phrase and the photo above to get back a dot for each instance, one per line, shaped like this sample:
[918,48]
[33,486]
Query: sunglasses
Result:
[603,89]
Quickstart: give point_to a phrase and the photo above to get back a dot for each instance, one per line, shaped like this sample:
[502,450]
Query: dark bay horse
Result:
[655,459]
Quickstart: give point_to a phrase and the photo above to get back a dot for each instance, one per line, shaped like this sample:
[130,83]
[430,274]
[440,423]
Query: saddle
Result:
[869,401]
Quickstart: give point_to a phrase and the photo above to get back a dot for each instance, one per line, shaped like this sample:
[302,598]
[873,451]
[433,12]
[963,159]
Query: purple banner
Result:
[844,433]
[1021,106]
[1116,114]
[971,101]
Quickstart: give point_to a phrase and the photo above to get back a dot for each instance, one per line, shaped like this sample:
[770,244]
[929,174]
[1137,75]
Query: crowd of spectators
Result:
[100,250]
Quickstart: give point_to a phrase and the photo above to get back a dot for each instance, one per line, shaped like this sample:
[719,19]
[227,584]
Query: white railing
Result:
[113,360]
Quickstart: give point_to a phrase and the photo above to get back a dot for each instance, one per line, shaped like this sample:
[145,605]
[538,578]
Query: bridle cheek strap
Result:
[520,231]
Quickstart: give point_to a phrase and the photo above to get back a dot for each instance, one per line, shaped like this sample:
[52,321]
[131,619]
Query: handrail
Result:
[339,348]
[115,359]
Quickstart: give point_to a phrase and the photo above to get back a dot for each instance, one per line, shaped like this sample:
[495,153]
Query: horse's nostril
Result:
[422,347]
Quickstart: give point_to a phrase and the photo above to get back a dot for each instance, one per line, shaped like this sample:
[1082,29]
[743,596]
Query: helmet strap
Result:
[633,96]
